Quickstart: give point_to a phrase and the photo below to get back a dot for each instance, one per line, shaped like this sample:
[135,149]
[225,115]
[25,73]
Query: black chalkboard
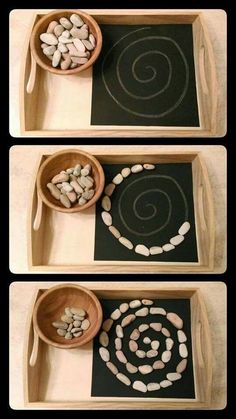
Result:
[172,209]
[104,383]
[145,76]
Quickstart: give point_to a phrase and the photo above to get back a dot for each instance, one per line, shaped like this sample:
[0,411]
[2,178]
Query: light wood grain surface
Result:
[20,21]
[23,162]
[214,294]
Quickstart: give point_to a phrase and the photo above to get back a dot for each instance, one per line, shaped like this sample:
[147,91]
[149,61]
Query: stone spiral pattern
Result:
[149,210]
[143,71]
[119,319]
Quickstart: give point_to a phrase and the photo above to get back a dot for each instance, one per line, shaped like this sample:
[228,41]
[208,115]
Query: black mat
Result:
[145,76]
[105,384]
[137,230]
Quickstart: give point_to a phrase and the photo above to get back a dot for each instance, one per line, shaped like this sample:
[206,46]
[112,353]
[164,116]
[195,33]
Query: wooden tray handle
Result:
[38,215]
[32,76]
[201,207]
[202,72]
[35,350]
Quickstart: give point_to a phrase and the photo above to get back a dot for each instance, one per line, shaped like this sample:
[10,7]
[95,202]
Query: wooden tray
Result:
[42,110]
[50,232]
[50,373]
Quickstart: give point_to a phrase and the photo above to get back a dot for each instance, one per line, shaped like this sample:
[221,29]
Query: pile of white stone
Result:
[68,43]
[73,185]
[72,324]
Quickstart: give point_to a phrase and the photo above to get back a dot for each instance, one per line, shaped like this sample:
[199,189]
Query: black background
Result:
[107,247]
[104,383]
[186,114]
[228,141]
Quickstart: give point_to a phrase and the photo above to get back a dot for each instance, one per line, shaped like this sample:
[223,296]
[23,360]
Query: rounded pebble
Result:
[121,357]
[167,247]
[127,243]
[158,365]
[124,307]
[104,339]
[107,219]
[146,340]
[181,336]
[127,320]
[147,302]
[140,386]
[175,320]
[153,386]
[118,344]
[125,172]
[109,189]
[148,166]
[106,203]
[118,179]
[85,324]
[165,383]
[135,334]
[155,250]
[131,368]
[143,327]
[115,232]
[156,326]
[169,344]
[137,168]
[165,332]
[183,351]
[135,303]
[68,335]
[133,346]
[123,378]
[145,369]
[173,376]
[119,331]
[112,368]
[104,354]
[152,353]
[115,315]
[155,344]
[166,356]
[61,332]
[176,240]
[181,366]
[157,310]
[184,228]
[142,312]
[140,354]
[107,324]
[142,250]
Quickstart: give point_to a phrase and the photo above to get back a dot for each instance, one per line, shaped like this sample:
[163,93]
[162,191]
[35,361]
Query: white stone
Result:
[157,310]
[153,386]
[152,353]
[123,378]
[148,166]
[49,38]
[115,315]
[109,189]
[182,366]
[125,172]
[65,23]
[115,232]
[158,365]
[76,20]
[106,217]
[124,307]
[165,332]
[127,320]
[140,354]
[106,203]
[87,44]
[173,376]
[104,339]
[112,368]
[54,190]
[85,324]
[165,357]
[176,240]
[119,331]
[79,45]
[118,344]
[156,326]
[66,33]
[56,58]
[49,50]
[64,40]
[146,340]
[52,26]
[131,368]
[104,354]
[135,303]
[145,369]
[142,250]
[58,30]
[147,302]
[155,250]
[137,168]
[184,228]
[155,344]
[165,383]
[142,312]
[175,320]
[183,351]
[133,346]
[127,243]
[181,336]
[118,179]
[140,386]
[121,356]
[135,334]
[167,247]
[92,40]
[143,327]
[169,344]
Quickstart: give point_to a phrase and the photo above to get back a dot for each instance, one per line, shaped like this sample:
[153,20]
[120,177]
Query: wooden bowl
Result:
[50,307]
[63,160]
[41,27]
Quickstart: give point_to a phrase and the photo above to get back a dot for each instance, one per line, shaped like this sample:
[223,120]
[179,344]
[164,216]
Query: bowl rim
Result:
[72,209]
[56,70]
[71,344]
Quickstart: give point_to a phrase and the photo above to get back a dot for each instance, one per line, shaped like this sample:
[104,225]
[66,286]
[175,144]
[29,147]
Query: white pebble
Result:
[107,219]
[181,336]
[140,386]
[169,344]
[143,327]
[184,228]
[183,351]
[115,232]
[142,250]
[165,332]
[152,353]
[118,179]
[119,331]
[142,312]
[124,307]
[135,303]
[127,243]
[155,250]
[115,315]
[147,302]
[177,240]
[165,357]
[167,247]
[104,354]
[148,166]
[145,369]
[155,344]
[123,378]
[106,203]
[157,310]
[125,172]
[173,376]
[165,383]
[137,168]
[153,386]
[109,189]
[140,354]
[146,340]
